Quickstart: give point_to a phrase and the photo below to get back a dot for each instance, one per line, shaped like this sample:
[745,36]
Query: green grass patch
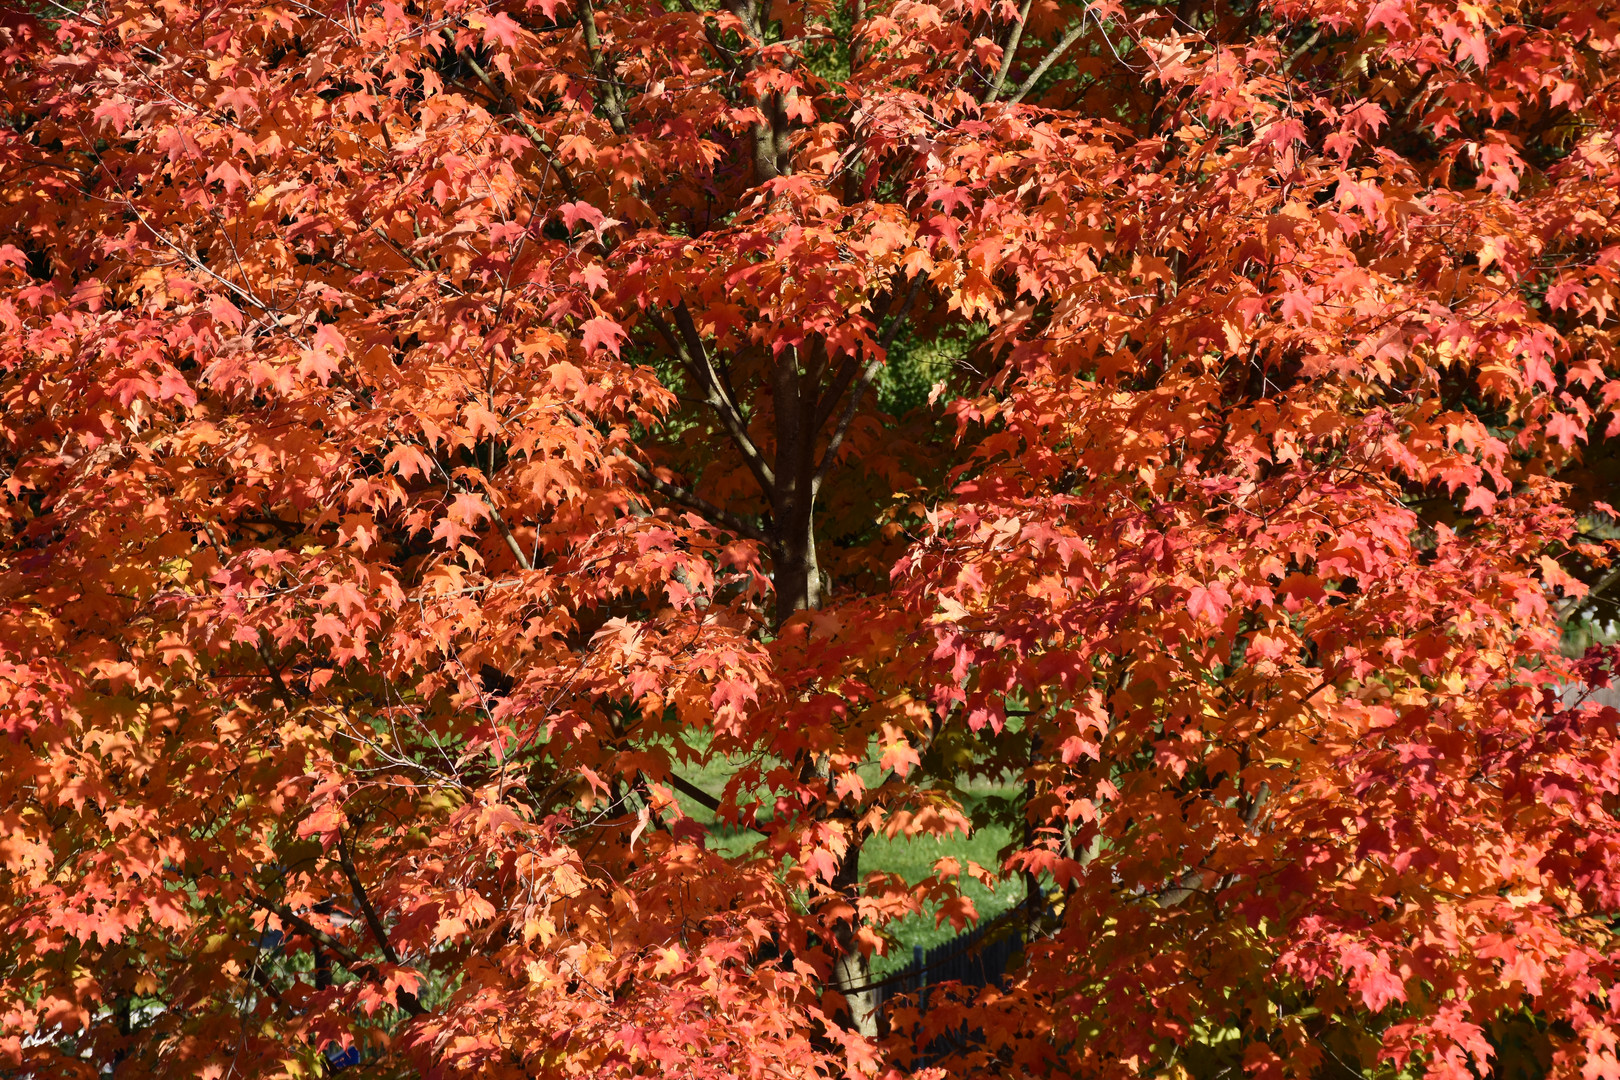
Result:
[993,807]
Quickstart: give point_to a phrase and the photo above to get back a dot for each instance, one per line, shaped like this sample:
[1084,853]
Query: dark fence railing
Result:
[977,957]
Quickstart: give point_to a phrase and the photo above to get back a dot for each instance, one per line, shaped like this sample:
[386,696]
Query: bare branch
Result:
[693,792]
[1008,53]
[711,31]
[372,921]
[1190,882]
[1294,56]
[869,373]
[698,795]
[851,367]
[495,516]
[1047,61]
[348,956]
[528,129]
[86,16]
[197,264]
[695,502]
[412,259]
[688,347]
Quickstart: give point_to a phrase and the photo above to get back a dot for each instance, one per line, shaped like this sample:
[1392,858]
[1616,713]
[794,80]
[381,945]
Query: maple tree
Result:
[432,429]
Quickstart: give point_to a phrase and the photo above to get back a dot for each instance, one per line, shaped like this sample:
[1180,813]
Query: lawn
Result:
[912,859]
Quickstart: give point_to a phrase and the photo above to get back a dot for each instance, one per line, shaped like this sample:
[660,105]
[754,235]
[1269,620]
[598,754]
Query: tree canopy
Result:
[434,431]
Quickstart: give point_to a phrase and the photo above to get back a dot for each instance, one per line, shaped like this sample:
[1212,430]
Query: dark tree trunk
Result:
[795,573]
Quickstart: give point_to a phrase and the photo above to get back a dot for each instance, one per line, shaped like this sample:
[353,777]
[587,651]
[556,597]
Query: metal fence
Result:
[977,957]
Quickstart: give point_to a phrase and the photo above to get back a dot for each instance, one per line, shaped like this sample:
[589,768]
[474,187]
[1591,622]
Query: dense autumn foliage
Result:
[430,430]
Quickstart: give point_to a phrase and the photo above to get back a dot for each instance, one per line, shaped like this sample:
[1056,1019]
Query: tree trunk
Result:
[796,577]
[853,968]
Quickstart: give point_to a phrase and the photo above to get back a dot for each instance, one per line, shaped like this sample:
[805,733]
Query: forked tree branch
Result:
[373,923]
[1047,61]
[687,344]
[868,373]
[696,502]
[346,956]
[1008,53]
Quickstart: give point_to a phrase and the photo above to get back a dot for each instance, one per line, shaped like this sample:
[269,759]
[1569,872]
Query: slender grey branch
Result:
[868,373]
[910,972]
[1310,43]
[695,502]
[1570,604]
[494,515]
[348,956]
[411,258]
[528,129]
[196,263]
[711,31]
[693,792]
[345,955]
[694,344]
[262,981]
[275,672]
[1008,53]
[837,438]
[1252,814]
[1186,885]
[688,347]
[1047,61]
[848,370]
[699,796]
[91,19]
[593,44]
[1189,882]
